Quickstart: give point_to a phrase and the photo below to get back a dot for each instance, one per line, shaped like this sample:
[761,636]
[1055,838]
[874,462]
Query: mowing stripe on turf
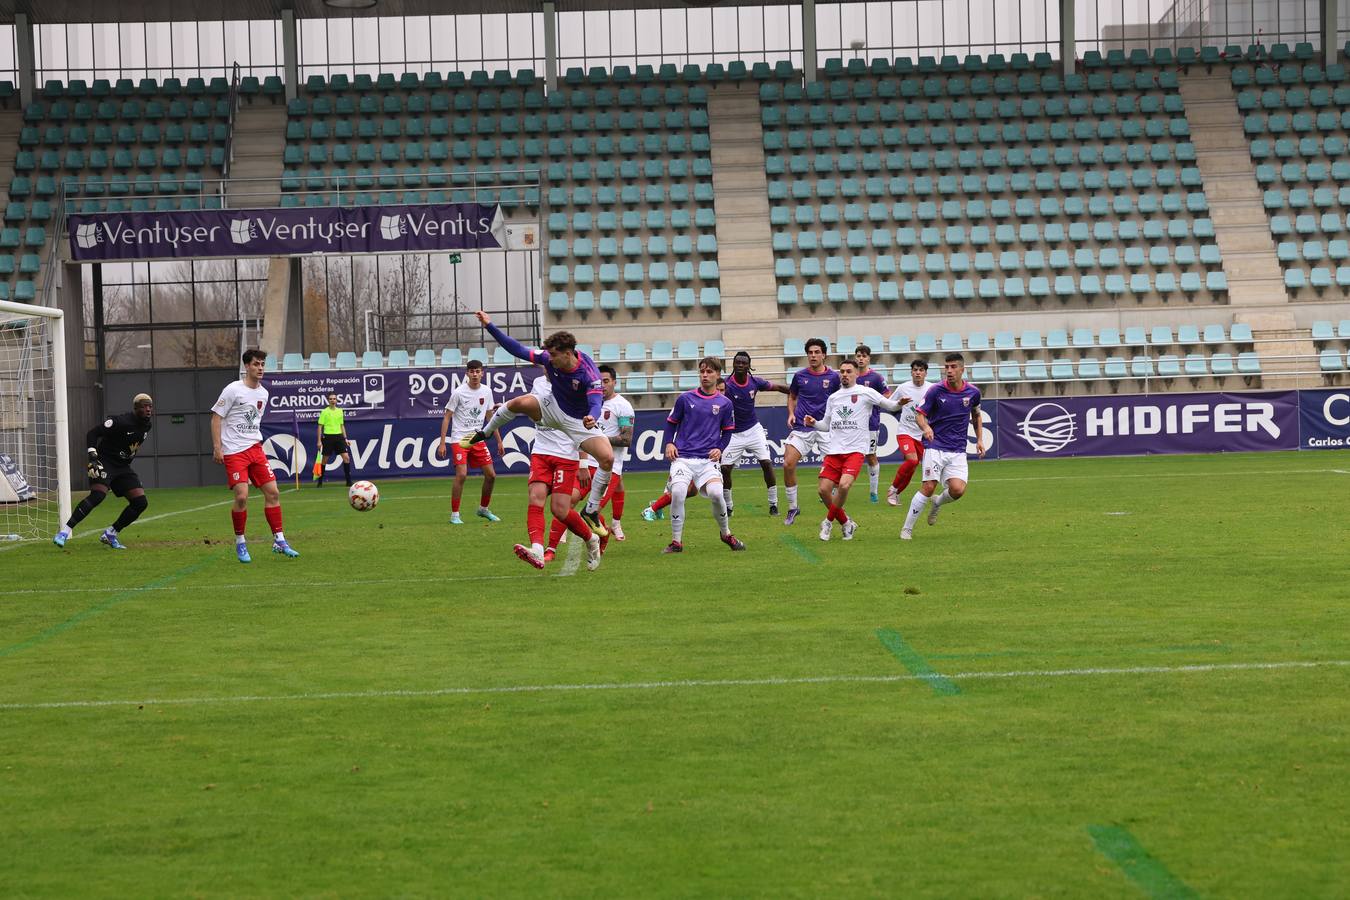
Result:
[1148,874]
[916,664]
[100,607]
[672,685]
[260,585]
[799,548]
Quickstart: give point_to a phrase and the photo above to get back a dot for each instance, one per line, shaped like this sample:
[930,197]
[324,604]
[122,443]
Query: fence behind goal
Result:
[34,445]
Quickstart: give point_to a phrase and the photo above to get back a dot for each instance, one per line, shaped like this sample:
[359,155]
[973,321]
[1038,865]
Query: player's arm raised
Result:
[510,344]
[888,403]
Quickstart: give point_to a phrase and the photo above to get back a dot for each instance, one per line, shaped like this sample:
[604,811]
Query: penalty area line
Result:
[678,684]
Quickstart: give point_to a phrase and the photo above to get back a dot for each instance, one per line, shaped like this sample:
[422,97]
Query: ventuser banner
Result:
[286,232]
[1159,423]
[1324,419]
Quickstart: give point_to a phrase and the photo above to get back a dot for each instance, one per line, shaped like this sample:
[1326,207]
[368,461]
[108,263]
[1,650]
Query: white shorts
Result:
[752,442]
[699,471]
[944,465]
[618,462]
[551,414]
[872,446]
[807,442]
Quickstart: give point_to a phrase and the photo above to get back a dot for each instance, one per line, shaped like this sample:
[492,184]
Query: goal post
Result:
[34,422]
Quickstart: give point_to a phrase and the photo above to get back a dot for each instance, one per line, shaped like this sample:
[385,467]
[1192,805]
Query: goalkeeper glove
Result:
[95,467]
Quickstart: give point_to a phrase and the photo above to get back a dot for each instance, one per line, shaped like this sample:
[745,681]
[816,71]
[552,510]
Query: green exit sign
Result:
[177,420]
[455,258]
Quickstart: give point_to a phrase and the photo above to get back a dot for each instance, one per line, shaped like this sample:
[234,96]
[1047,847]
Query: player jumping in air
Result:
[236,441]
[616,421]
[112,448]
[911,436]
[577,401]
[698,429]
[847,422]
[332,439]
[807,393]
[943,416]
[869,377]
[553,473]
[749,438]
[466,410]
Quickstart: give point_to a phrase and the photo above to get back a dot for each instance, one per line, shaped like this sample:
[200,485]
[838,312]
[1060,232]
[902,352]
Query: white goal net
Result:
[34,451]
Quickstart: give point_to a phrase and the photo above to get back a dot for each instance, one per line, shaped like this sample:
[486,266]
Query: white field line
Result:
[573,561]
[681,684]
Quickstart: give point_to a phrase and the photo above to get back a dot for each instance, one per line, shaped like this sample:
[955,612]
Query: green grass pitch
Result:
[1099,678]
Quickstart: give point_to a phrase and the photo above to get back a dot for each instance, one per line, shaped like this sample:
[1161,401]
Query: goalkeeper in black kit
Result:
[112,448]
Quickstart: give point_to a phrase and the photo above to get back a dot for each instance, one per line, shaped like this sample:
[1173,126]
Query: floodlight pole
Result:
[290,57]
[550,46]
[1066,43]
[23,37]
[809,40]
[1329,10]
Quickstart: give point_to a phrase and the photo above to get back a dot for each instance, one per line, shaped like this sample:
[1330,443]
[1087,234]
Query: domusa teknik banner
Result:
[1159,423]
[393,421]
[286,232]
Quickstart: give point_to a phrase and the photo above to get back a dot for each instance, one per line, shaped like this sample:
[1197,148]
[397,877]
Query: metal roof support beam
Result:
[809,40]
[1066,28]
[550,46]
[1330,10]
[23,36]
[290,57]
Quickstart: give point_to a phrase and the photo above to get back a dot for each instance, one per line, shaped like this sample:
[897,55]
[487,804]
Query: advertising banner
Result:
[1159,423]
[1324,419]
[286,232]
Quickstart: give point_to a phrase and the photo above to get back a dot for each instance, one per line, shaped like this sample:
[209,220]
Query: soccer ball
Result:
[363,495]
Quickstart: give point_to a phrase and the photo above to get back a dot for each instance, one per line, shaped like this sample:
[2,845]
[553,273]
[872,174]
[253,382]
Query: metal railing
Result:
[229,129]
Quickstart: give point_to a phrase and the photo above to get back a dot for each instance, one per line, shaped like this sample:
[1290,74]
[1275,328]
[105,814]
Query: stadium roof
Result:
[48,12]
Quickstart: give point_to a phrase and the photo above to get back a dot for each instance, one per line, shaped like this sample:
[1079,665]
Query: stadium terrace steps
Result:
[1241,227]
[739,186]
[1285,348]
[255,172]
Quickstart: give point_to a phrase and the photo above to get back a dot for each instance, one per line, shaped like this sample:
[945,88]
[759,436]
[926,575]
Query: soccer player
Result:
[616,422]
[236,441]
[112,448]
[697,430]
[869,377]
[553,471]
[332,439]
[576,401]
[911,436]
[467,409]
[749,437]
[942,416]
[847,422]
[807,393]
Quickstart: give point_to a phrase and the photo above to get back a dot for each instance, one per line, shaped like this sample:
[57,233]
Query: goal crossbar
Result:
[60,408]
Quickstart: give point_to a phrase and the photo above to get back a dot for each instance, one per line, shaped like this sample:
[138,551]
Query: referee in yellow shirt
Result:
[333,440]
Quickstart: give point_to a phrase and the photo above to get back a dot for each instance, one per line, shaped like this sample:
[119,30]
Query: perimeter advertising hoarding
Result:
[183,234]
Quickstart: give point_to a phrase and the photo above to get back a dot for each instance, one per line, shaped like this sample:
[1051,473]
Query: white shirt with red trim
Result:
[241,409]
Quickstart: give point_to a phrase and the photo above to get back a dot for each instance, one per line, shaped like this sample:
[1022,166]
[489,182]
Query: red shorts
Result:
[910,445]
[837,465]
[476,457]
[250,465]
[559,474]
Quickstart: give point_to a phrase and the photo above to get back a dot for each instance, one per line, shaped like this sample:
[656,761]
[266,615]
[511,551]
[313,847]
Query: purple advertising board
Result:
[1159,423]
[1324,419]
[286,232]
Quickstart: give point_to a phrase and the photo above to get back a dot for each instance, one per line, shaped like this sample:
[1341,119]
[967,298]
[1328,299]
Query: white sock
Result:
[537,549]
[599,483]
[874,476]
[278,536]
[726,498]
[720,512]
[677,514]
[915,509]
[792,497]
[773,495]
[499,418]
[239,539]
[942,498]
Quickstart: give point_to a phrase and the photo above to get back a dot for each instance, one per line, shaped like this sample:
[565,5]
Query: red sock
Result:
[904,474]
[618,505]
[485,497]
[577,525]
[661,502]
[454,504]
[614,495]
[555,532]
[839,514]
[534,523]
[273,514]
[239,517]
